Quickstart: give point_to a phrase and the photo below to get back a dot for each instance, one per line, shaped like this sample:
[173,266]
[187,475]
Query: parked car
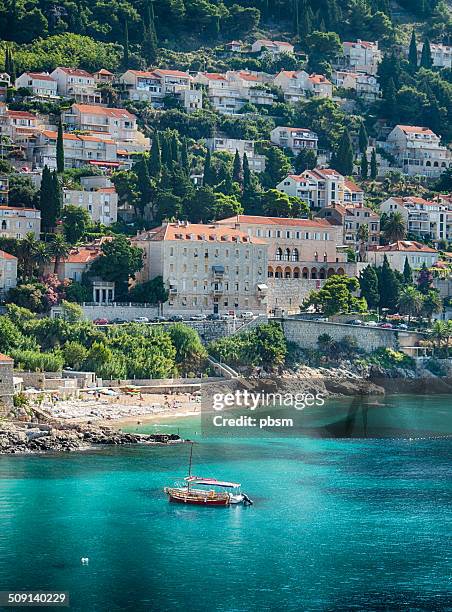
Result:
[371,323]
[355,322]
[176,318]
[247,314]
[159,319]
[101,321]
[141,320]
[386,325]
[119,321]
[227,317]
[198,317]
[213,316]
[402,326]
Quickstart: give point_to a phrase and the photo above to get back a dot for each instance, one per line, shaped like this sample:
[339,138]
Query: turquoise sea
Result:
[339,523]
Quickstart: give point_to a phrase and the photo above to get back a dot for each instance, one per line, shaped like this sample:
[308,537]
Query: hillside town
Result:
[240,194]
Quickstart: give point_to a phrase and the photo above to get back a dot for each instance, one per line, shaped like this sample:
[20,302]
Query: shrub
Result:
[35,361]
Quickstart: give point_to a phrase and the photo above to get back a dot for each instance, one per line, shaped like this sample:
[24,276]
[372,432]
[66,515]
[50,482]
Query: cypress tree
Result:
[57,197]
[184,160]
[407,273]
[389,287]
[426,55]
[368,282]
[305,22]
[7,59]
[343,158]
[60,148]
[149,46]
[144,184]
[209,175]
[155,161]
[363,138]
[246,173]
[125,57]
[174,144]
[166,152]
[390,100]
[373,165]
[412,53]
[46,196]
[237,168]
[364,166]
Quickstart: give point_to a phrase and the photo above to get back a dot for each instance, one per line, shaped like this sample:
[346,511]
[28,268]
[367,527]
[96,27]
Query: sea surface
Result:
[360,521]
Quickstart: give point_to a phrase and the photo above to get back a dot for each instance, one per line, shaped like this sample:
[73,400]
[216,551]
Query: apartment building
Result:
[16,222]
[398,252]
[77,84]
[361,56]
[319,187]
[101,204]
[103,76]
[79,150]
[8,272]
[4,189]
[18,125]
[351,217]
[118,123]
[231,145]
[77,262]
[297,84]
[365,85]
[417,150]
[154,86]
[297,248]
[294,138]
[39,83]
[229,92]
[207,268]
[275,47]
[423,218]
[441,54]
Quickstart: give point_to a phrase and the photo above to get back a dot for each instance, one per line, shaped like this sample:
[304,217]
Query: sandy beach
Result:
[123,408]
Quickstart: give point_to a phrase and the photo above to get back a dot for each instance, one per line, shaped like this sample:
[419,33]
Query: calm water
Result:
[338,524]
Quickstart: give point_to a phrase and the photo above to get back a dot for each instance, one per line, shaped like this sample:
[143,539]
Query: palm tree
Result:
[395,228]
[26,254]
[432,303]
[41,255]
[440,332]
[410,302]
[59,249]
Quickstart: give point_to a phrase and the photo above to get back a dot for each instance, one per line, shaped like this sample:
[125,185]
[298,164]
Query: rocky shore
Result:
[38,438]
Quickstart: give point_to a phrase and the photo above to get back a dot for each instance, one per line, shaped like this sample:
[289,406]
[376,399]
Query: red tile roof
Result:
[42,76]
[261,220]
[177,73]
[75,71]
[351,186]
[415,129]
[198,232]
[5,358]
[92,109]
[409,246]
[5,255]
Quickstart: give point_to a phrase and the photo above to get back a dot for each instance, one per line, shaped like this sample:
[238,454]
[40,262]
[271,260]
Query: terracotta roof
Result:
[106,190]
[273,43]
[296,129]
[214,76]
[67,136]
[5,255]
[247,76]
[165,72]
[319,78]
[360,43]
[104,71]
[85,254]
[351,186]
[415,129]
[260,220]
[90,109]
[42,76]
[403,201]
[409,246]
[5,358]
[198,232]
[21,114]
[143,73]
[74,71]
[17,208]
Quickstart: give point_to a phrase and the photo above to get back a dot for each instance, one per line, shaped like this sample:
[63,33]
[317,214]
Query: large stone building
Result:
[297,248]
[101,203]
[206,268]
[77,84]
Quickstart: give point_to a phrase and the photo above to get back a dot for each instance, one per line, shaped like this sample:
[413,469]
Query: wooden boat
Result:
[206,491]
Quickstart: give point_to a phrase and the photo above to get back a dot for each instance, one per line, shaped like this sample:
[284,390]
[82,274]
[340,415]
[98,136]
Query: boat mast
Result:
[189,466]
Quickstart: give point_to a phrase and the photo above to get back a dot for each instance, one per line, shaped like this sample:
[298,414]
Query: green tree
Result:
[60,148]
[363,138]
[368,281]
[426,55]
[190,351]
[410,302]
[126,54]
[209,173]
[151,292]
[155,161]
[237,172]
[270,345]
[364,166]
[276,204]
[337,295]
[373,165]
[119,262]
[144,184]
[412,52]
[432,303]
[306,159]
[425,280]
[276,168]
[395,228]
[74,354]
[59,249]
[407,273]
[149,47]
[389,286]
[342,160]
[76,222]
[49,199]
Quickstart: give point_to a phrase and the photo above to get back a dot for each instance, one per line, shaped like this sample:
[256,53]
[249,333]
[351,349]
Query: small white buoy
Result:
[84,560]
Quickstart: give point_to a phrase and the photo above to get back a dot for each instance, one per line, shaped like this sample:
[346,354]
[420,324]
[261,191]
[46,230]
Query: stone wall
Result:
[305,334]
[6,387]
[288,293]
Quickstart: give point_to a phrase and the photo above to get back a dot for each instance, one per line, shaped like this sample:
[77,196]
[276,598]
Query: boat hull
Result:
[197,498]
